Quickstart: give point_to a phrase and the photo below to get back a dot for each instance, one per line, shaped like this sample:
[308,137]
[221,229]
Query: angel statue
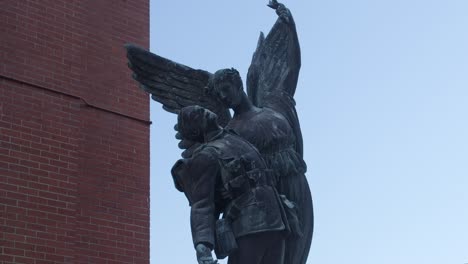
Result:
[265,116]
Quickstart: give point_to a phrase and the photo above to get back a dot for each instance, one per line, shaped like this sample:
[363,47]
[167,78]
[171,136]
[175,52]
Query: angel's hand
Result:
[186,144]
[284,13]
[273,4]
[281,10]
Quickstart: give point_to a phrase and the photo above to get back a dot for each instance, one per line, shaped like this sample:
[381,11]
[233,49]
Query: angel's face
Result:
[229,93]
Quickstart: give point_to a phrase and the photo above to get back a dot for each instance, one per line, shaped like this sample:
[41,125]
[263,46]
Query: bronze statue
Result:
[265,116]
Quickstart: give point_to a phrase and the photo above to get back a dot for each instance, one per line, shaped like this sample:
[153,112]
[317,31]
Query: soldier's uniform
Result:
[228,176]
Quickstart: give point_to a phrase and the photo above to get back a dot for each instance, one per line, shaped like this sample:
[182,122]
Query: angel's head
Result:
[194,122]
[227,85]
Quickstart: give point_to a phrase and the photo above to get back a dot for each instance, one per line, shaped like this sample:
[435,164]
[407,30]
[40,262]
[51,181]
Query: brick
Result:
[48,223]
[9,159]
[30,164]
[24,246]
[57,204]
[46,236]
[29,232]
[28,191]
[4,153]
[15,210]
[8,187]
[34,255]
[18,168]
[6,258]
[13,251]
[26,219]
[39,159]
[56,258]
[17,196]
[14,237]
[37,200]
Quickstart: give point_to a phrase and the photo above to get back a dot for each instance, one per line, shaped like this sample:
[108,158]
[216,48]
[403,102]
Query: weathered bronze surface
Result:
[248,168]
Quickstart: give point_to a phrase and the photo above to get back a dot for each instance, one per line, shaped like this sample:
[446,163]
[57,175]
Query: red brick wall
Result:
[74,135]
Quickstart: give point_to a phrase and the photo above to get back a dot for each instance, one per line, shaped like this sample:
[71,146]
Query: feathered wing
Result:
[172,84]
[274,71]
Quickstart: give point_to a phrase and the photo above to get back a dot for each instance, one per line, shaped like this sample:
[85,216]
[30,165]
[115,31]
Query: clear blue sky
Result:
[383,103]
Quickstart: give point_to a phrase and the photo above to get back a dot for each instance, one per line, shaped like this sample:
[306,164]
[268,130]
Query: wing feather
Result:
[172,84]
[275,63]
[274,71]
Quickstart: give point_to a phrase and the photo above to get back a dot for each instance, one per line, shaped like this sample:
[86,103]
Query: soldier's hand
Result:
[204,255]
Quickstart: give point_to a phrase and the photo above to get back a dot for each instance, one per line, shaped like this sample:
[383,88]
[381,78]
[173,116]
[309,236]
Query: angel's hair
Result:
[194,121]
[225,75]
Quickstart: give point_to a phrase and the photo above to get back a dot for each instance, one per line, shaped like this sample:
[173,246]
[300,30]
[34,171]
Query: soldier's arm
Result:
[204,170]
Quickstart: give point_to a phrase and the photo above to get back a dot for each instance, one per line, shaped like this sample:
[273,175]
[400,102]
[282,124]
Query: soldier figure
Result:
[226,175]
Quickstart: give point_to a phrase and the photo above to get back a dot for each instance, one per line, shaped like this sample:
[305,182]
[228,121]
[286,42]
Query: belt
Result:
[249,180]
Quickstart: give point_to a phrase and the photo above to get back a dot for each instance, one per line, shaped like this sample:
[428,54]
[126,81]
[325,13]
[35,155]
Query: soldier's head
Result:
[194,122]
[226,84]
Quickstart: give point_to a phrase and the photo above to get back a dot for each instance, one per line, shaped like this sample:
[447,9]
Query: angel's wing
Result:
[275,63]
[274,71]
[172,84]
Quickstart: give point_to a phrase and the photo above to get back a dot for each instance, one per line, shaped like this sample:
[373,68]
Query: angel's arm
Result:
[282,11]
